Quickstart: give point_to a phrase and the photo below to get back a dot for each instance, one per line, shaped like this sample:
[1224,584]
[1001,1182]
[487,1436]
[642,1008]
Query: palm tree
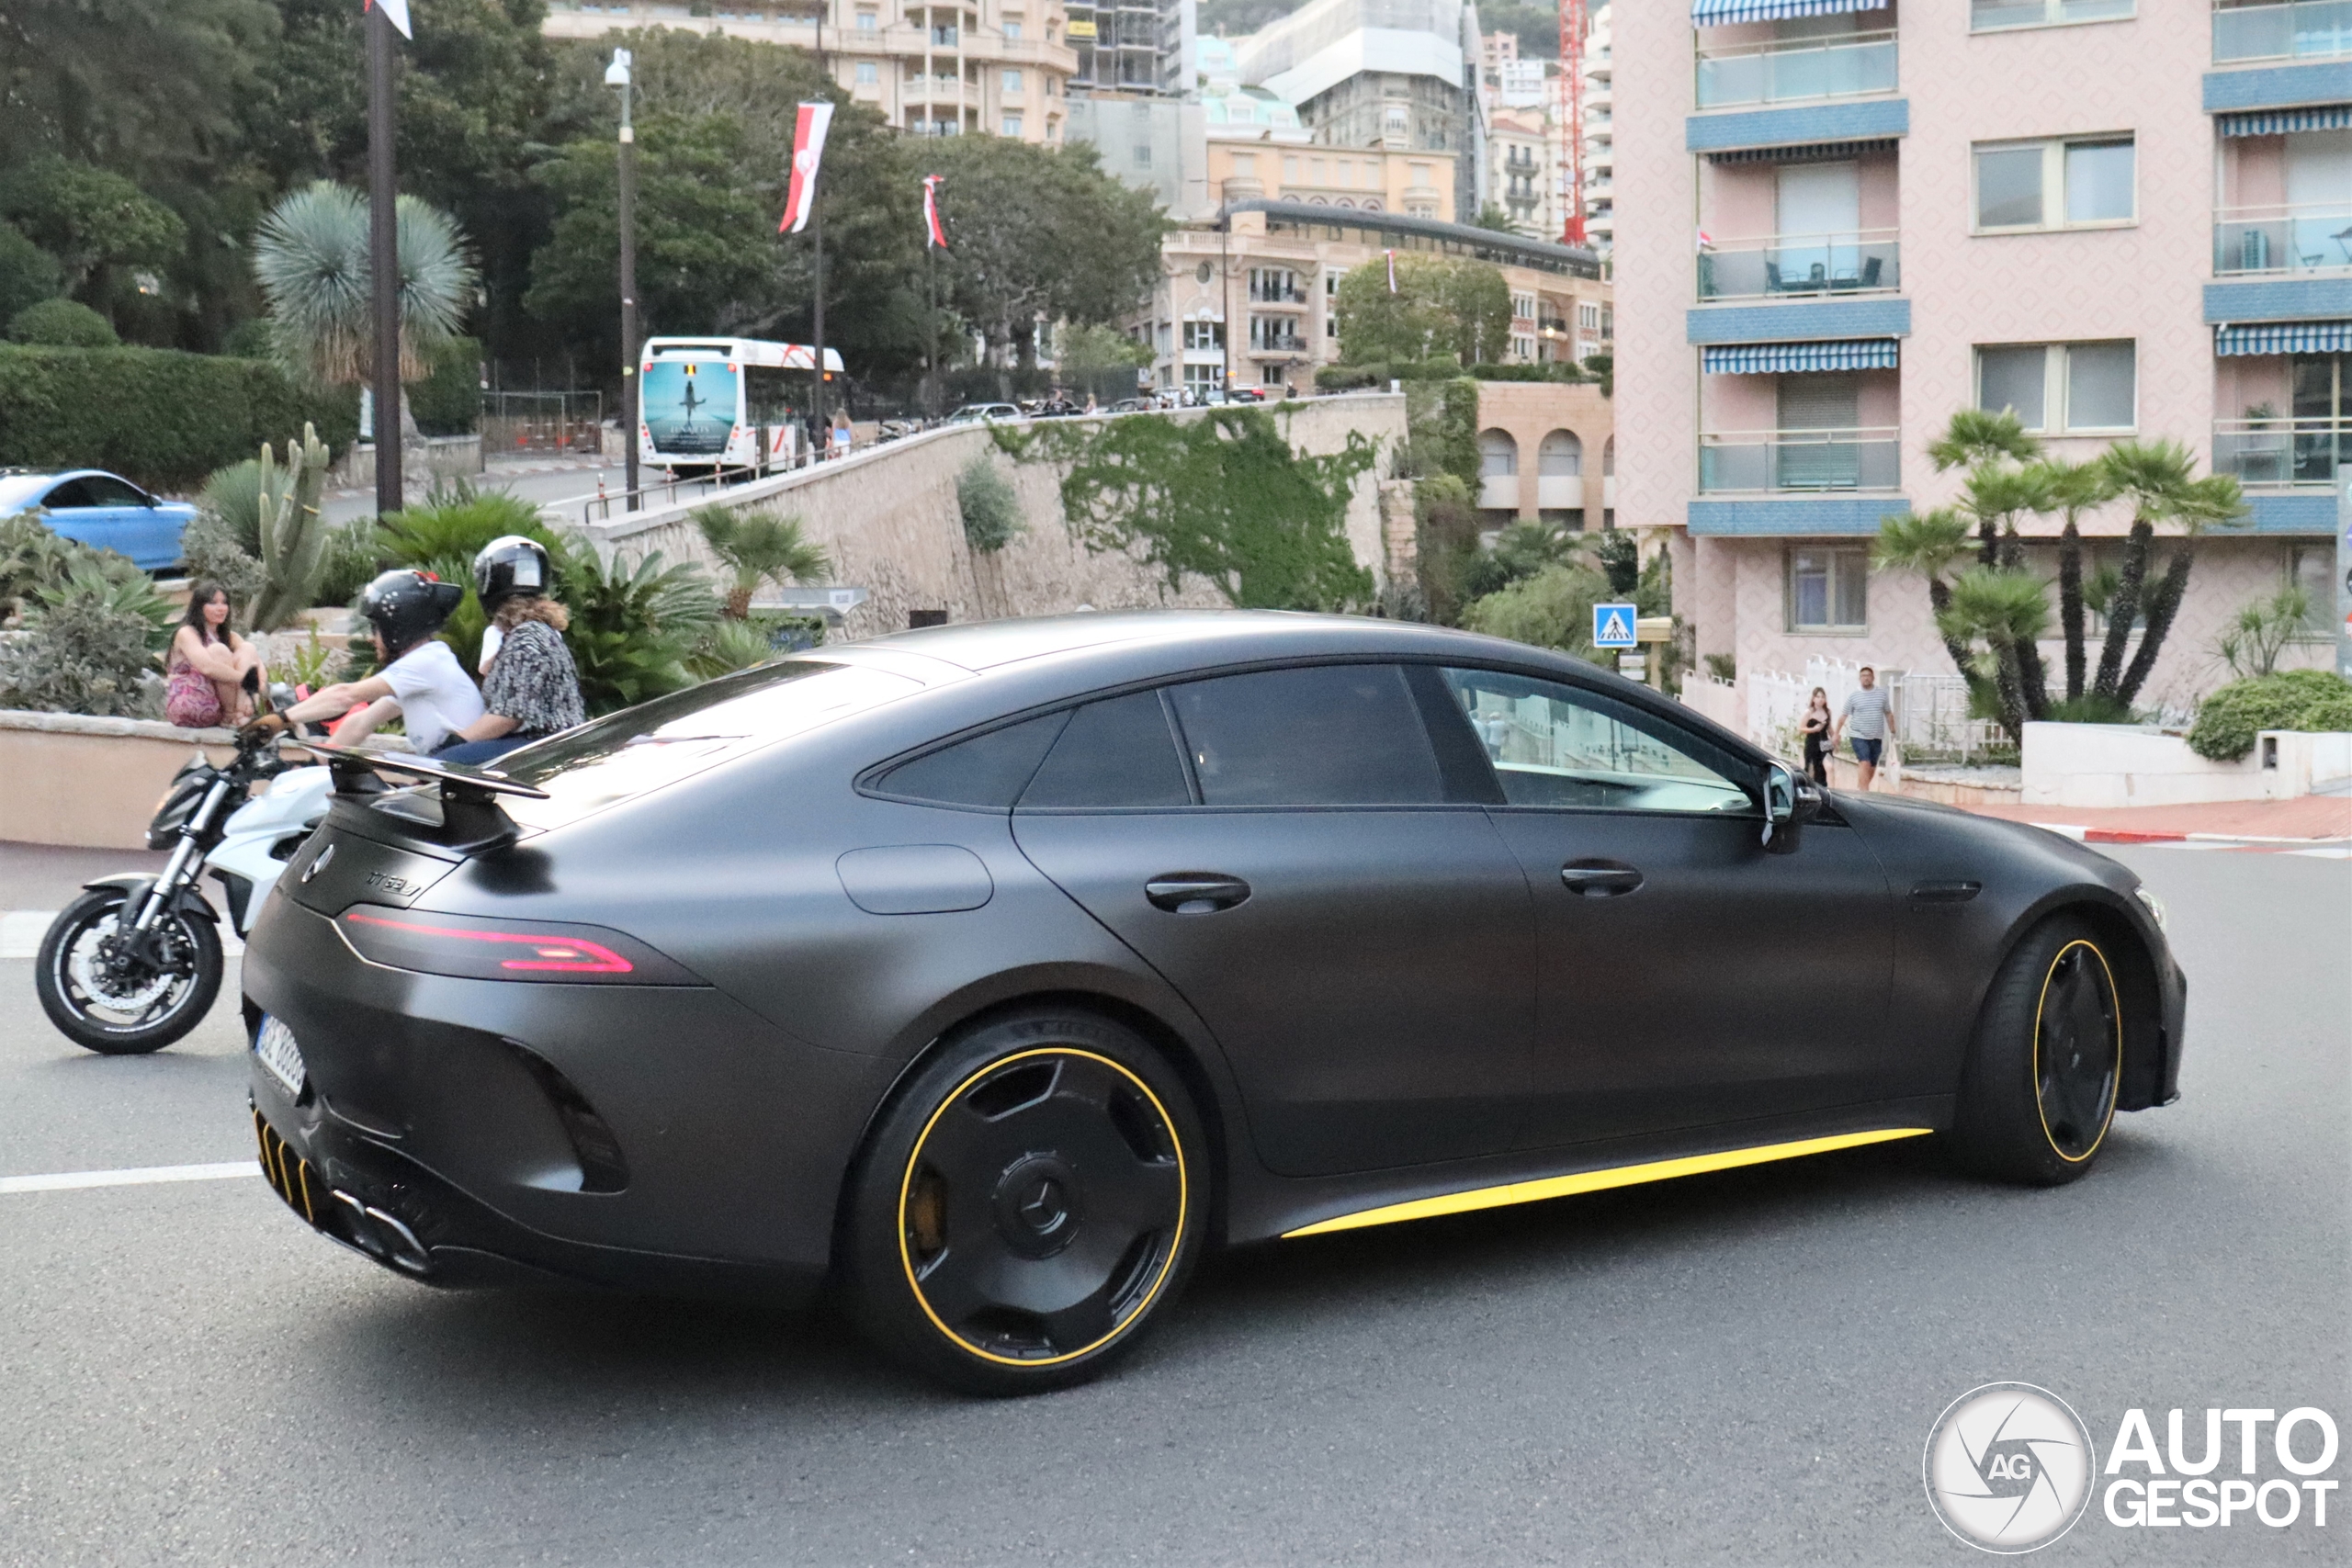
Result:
[2010,609]
[1974,436]
[1929,542]
[2074,489]
[756,548]
[310,258]
[2159,479]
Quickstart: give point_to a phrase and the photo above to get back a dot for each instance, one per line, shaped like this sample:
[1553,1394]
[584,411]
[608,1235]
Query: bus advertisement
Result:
[724,403]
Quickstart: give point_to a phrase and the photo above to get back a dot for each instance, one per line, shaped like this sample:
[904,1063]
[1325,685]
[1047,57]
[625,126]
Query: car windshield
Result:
[643,749]
[21,490]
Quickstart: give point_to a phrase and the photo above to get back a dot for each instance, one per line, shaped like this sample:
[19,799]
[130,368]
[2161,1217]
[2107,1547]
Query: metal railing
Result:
[1762,461]
[2265,452]
[2301,29]
[1801,264]
[665,492]
[1987,15]
[1787,73]
[2316,237]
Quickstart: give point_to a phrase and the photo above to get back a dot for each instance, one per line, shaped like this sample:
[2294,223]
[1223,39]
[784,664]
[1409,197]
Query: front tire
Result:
[1028,1205]
[2038,1095]
[105,1002]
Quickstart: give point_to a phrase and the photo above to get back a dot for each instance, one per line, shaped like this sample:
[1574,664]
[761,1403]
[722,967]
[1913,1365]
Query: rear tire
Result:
[1028,1205]
[111,1012]
[2038,1094]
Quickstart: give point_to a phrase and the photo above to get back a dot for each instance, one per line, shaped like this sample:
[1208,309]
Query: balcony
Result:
[1764,462]
[2276,453]
[1788,265]
[1990,16]
[1272,293]
[2276,240]
[2301,30]
[1796,72]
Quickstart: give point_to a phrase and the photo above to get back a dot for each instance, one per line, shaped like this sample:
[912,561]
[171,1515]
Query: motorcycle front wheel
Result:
[108,999]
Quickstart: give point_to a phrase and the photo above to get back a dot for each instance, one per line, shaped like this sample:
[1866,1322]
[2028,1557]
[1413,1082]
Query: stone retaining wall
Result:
[76,780]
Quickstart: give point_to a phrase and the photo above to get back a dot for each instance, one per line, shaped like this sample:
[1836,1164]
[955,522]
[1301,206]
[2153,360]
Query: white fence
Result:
[1929,712]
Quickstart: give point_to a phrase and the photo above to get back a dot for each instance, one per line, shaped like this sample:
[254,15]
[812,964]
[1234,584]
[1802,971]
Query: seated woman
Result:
[207,665]
[530,686]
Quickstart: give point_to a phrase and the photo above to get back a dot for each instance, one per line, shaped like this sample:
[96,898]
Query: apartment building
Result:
[1599,191]
[2118,217]
[1523,174]
[974,67]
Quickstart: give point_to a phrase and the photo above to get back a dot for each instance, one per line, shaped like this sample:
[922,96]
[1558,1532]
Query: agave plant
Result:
[311,256]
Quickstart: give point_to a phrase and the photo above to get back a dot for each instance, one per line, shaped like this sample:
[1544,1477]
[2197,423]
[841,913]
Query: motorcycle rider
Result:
[419,679]
[530,686]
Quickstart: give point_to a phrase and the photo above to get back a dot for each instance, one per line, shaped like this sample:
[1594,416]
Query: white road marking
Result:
[67,1180]
[21,930]
[2336,852]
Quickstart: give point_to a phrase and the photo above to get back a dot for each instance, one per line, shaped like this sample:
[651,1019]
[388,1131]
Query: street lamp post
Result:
[616,74]
[383,260]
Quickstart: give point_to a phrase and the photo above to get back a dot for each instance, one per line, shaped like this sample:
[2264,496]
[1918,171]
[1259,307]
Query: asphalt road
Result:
[1738,1368]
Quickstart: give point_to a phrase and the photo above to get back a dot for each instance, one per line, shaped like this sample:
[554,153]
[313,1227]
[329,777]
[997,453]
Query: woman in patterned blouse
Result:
[530,688]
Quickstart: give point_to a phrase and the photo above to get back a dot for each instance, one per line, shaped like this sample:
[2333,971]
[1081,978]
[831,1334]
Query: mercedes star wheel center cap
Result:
[1037,1209]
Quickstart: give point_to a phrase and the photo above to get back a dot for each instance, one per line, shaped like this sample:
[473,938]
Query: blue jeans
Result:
[480,751]
[1867,751]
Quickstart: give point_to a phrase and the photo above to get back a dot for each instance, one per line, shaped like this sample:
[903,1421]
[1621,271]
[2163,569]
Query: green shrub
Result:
[161,417]
[62,323]
[27,274]
[634,624]
[453,526]
[232,495]
[992,510]
[351,562]
[1550,370]
[1551,609]
[214,554]
[33,557]
[89,647]
[2229,721]
[448,401]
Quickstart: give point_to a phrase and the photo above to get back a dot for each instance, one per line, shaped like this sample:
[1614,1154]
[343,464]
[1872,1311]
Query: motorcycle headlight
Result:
[2155,905]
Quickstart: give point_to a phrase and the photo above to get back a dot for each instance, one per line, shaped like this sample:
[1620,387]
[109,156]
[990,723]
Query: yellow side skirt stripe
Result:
[1598,1180]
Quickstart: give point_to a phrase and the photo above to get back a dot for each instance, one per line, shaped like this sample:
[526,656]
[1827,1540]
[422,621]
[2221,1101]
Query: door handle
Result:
[1599,878]
[1195,892]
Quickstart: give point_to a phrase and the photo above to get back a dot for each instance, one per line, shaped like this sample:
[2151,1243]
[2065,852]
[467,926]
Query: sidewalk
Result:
[2311,818]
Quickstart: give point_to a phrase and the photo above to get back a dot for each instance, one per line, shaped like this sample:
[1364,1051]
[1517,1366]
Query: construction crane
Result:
[1571,115]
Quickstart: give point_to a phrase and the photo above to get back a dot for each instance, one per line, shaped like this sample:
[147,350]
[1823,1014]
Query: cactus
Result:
[294,536]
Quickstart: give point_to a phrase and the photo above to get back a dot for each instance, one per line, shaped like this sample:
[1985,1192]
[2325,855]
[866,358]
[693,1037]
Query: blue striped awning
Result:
[1723,13]
[2278,122]
[1795,358]
[2285,338]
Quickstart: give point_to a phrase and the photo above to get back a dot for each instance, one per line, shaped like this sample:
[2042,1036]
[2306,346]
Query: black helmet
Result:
[408,607]
[509,566]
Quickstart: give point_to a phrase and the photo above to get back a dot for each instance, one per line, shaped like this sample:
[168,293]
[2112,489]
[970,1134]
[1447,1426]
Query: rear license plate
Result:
[274,1048]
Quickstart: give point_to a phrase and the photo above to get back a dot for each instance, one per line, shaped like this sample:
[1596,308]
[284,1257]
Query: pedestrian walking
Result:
[530,686]
[1815,727]
[1863,725]
[207,664]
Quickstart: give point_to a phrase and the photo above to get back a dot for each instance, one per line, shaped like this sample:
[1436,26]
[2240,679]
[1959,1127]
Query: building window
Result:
[1163,340]
[1399,119]
[943,36]
[1522,306]
[1201,378]
[1010,125]
[1828,588]
[1143,155]
[1523,350]
[1011,82]
[1589,317]
[2312,568]
[2054,185]
[868,21]
[1012,32]
[1276,334]
[869,74]
[1331,326]
[1203,336]
[1990,16]
[2062,388]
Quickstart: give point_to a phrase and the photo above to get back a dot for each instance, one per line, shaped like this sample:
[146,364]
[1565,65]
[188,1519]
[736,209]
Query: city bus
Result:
[725,402]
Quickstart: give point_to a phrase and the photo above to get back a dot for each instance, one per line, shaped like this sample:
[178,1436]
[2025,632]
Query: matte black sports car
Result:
[990,972]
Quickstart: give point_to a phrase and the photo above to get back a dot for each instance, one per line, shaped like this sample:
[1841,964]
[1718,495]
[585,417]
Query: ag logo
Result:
[2008,1467]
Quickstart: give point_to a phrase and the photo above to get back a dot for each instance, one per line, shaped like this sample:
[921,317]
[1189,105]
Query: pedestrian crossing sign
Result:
[1612,625]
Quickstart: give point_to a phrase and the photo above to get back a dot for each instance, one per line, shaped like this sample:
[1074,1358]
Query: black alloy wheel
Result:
[112,991]
[1029,1202]
[2077,1049]
[2039,1091]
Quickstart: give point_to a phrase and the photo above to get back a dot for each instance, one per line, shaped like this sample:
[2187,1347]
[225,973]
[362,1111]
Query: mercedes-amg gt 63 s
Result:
[986,975]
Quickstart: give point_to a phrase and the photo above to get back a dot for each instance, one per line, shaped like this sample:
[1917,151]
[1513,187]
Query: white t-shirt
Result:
[435,696]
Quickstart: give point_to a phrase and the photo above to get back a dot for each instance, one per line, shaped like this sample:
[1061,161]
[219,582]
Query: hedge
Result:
[1349,377]
[2229,721]
[161,417]
[448,401]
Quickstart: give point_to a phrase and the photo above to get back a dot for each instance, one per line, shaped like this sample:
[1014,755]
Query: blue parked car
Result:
[103,511]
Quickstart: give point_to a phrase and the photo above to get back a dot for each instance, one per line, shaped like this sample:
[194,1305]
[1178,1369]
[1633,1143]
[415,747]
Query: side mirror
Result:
[1791,800]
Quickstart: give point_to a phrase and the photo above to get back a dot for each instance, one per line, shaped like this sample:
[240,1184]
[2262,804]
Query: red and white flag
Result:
[396,11]
[1706,241]
[1392,270]
[807,151]
[932,233]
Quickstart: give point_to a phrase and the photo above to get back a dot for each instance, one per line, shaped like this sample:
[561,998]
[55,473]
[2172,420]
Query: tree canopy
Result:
[1443,307]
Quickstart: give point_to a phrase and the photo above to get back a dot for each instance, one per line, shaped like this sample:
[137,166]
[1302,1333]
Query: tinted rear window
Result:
[1327,735]
[989,769]
[1119,752]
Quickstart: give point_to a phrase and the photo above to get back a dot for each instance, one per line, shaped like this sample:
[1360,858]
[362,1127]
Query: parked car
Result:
[1133,405]
[104,511]
[988,413]
[1086,944]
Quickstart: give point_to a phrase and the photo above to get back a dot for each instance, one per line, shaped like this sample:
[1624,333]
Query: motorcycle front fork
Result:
[177,871]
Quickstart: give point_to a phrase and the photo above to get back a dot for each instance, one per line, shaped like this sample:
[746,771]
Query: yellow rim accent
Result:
[1183,1200]
[1598,1180]
[2034,1081]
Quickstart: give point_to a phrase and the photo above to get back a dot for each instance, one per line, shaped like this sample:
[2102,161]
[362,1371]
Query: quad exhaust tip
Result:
[382,1235]
[365,1228]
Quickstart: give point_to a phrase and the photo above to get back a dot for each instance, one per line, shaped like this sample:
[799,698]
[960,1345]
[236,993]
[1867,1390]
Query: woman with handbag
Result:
[1815,727]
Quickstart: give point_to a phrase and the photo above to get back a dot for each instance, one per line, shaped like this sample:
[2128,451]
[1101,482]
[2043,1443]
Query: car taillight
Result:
[470,948]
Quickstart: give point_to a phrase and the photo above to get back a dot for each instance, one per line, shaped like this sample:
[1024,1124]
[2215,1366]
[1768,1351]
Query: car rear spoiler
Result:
[466,818]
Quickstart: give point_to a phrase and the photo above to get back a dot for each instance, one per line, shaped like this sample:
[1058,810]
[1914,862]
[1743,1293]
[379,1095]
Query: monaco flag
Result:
[807,151]
[932,233]
[395,11]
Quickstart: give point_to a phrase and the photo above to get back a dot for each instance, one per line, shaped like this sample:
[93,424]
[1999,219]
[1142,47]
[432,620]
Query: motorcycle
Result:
[135,962]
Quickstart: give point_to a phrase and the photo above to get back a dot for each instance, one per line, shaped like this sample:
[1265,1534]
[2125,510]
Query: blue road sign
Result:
[1612,625]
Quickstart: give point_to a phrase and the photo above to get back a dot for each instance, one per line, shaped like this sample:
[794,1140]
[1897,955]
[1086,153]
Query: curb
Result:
[2082,835]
